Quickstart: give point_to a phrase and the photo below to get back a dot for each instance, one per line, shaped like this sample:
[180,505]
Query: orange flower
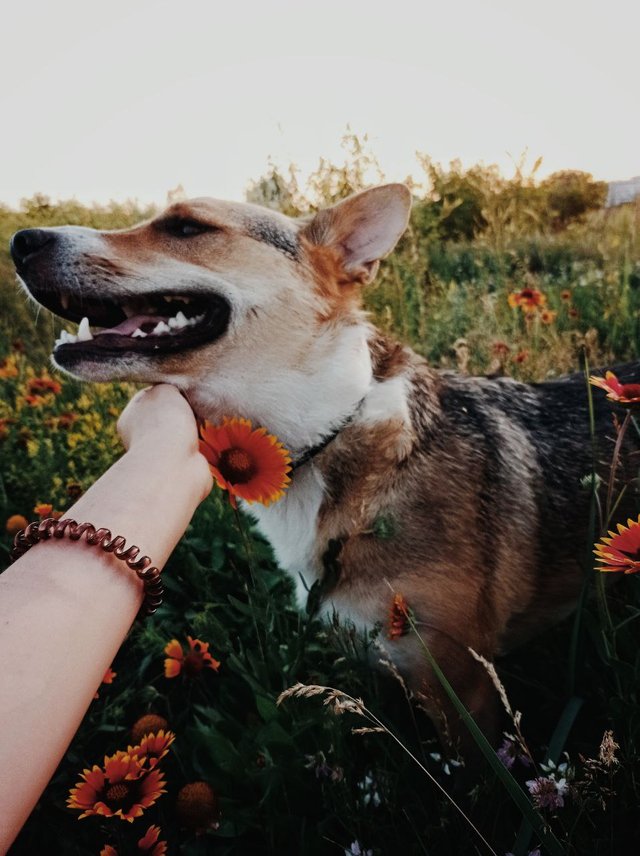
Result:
[573,313]
[194,662]
[152,747]
[148,844]
[123,788]
[399,618]
[66,419]
[43,509]
[621,393]
[5,421]
[521,356]
[15,523]
[44,384]
[197,807]
[548,316]
[621,552]
[35,400]
[8,368]
[107,678]
[248,463]
[529,299]
[565,295]
[147,724]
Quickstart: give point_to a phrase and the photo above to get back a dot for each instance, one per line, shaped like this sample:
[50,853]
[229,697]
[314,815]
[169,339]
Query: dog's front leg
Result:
[468,677]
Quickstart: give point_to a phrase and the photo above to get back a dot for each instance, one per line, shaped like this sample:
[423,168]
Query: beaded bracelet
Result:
[52,528]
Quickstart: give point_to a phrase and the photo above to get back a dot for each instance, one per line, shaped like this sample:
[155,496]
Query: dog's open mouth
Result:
[149,324]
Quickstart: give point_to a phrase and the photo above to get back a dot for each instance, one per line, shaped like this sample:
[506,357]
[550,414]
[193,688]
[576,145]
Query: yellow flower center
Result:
[117,793]
[237,466]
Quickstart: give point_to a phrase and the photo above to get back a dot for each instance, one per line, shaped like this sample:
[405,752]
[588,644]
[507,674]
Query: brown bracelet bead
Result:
[52,528]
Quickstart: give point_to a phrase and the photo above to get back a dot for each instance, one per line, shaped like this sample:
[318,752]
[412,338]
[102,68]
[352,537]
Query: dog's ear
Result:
[363,228]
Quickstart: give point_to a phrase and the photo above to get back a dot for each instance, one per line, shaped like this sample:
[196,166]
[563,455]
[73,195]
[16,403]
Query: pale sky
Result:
[129,98]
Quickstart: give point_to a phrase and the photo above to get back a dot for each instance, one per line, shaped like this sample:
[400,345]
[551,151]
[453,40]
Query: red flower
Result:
[621,393]
[44,384]
[66,419]
[152,747]
[193,663]
[5,421]
[247,462]
[529,299]
[399,618]
[621,552]
[35,400]
[123,788]
[107,678]
[148,844]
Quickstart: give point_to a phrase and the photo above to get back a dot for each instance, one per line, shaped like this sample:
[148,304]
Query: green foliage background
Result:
[294,779]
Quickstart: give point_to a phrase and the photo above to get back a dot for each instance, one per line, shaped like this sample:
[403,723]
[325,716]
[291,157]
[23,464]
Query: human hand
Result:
[159,421]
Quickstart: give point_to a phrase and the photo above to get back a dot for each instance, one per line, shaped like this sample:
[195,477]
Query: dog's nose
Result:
[27,242]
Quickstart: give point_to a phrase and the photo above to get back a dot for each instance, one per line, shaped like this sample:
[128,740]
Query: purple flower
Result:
[356,850]
[507,753]
[510,752]
[547,792]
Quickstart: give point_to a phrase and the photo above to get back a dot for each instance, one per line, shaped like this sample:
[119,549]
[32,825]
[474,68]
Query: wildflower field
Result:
[186,749]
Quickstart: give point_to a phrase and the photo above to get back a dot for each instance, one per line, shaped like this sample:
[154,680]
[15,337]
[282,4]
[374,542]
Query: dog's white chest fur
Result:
[290,526]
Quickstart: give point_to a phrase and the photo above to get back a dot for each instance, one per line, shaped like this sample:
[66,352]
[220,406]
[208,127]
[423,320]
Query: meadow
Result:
[514,276]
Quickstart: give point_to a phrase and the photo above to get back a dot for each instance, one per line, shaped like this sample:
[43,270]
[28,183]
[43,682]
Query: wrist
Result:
[172,461]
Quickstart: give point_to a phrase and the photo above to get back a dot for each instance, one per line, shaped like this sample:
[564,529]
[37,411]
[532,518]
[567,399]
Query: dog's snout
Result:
[28,242]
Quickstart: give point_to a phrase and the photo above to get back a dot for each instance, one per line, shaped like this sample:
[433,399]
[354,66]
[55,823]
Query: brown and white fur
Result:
[477,479]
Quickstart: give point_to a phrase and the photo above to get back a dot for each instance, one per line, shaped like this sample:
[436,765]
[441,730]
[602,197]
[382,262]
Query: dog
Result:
[463,495]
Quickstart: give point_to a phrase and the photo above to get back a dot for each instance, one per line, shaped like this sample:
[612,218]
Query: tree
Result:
[570,194]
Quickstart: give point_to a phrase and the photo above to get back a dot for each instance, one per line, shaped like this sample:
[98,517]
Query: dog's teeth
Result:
[183,299]
[180,320]
[138,333]
[65,338]
[129,311]
[64,300]
[161,327]
[84,331]
[172,322]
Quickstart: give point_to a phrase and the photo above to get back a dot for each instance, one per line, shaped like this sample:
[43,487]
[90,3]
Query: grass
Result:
[295,778]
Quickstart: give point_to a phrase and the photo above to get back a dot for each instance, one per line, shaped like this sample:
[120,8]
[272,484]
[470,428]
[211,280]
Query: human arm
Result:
[65,608]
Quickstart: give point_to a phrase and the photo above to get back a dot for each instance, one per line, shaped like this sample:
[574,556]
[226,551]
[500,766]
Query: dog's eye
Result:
[183,227]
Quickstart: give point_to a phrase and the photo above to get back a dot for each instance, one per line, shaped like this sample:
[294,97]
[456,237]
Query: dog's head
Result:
[207,288]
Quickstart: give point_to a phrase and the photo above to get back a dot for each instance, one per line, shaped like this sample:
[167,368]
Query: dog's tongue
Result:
[130,325]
